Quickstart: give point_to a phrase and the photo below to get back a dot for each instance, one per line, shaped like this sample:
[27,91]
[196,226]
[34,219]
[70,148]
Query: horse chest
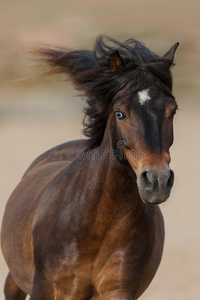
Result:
[121,261]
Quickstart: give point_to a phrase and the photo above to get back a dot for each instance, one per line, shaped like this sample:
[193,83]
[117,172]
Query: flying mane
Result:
[90,72]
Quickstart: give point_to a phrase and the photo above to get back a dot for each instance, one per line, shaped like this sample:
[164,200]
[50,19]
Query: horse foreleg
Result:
[12,291]
[42,290]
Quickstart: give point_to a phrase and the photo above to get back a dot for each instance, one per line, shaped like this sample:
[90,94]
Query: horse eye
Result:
[172,115]
[119,115]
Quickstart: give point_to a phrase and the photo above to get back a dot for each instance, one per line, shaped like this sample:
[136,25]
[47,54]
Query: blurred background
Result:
[38,114]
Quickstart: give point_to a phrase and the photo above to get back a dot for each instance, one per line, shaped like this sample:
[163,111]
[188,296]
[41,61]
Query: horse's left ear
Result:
[169,56]
[115,61]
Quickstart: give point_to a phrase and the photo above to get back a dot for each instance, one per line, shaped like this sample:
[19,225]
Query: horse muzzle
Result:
[155,186]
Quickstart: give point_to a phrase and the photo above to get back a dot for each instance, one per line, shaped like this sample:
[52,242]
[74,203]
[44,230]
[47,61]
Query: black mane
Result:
[89,71]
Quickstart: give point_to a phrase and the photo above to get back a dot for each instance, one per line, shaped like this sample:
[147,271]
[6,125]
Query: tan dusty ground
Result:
[37,115]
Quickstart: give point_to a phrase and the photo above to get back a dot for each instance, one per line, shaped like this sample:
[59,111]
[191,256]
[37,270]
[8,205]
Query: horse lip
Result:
[153,203]
[154,198]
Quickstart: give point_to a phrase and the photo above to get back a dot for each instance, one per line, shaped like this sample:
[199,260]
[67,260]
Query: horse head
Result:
[128,88]
[142,114]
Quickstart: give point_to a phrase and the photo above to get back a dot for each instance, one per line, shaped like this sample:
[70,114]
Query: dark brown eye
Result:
[172,114]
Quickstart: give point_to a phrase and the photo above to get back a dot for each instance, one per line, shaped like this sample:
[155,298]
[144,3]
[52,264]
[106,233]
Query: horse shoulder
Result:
[30,201]
[64,152]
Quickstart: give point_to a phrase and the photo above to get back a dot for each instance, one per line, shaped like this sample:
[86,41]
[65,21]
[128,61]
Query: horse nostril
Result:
[151,180]
[170,180]
[144,176]
[148,179]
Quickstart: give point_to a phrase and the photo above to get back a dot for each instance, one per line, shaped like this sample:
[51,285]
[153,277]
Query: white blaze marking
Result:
[144,96]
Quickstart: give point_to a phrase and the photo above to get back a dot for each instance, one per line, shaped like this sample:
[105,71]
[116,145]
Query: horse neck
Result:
[117,180]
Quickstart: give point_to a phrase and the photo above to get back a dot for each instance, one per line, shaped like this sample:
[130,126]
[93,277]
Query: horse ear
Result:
[115,61]
[169,56]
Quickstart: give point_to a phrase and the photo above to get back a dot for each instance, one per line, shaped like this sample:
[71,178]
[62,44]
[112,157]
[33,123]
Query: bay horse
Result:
[83,222]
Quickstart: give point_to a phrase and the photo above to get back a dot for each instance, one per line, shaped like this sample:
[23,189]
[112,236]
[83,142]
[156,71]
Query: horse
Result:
[84,222]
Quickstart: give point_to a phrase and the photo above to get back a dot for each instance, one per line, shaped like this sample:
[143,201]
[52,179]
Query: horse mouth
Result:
[153,198]
[154,186]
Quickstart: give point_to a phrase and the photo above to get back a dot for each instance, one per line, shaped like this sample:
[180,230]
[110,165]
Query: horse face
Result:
[145,134]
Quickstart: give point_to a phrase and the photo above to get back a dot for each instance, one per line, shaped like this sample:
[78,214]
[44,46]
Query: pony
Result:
[84,222]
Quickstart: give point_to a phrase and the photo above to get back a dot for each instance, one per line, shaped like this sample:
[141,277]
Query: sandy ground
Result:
[31,125]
